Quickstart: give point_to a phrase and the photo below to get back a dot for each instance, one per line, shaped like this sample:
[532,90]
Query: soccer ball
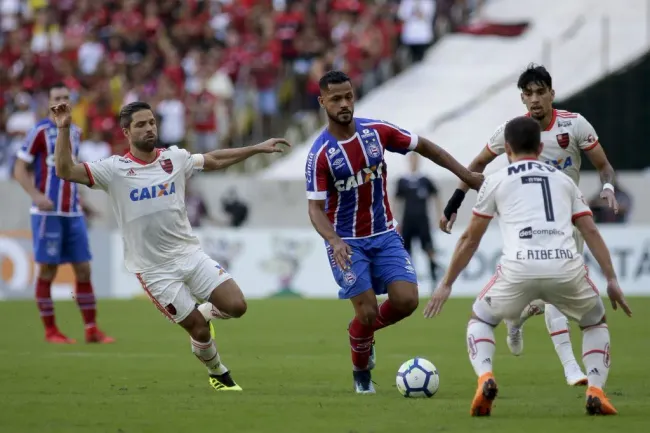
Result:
[418,378]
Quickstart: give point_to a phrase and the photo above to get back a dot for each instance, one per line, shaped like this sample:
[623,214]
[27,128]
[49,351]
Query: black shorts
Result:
[421,231]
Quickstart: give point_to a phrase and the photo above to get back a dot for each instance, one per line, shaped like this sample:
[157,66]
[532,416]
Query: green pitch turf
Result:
[291,356]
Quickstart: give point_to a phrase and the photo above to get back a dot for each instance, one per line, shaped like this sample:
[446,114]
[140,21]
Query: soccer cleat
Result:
[485,394]
[598,404]
[223,382]
[515,339]
[363,382]
[55,336]
[372,361]
[94,335]
[574,375]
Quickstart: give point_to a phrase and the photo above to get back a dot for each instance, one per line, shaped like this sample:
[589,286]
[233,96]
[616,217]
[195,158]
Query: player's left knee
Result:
[406,304]
[82,272]
[237,308]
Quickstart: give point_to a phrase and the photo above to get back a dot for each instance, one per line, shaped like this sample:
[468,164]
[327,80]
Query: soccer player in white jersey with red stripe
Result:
[565,136]
[537,207]
[147,192]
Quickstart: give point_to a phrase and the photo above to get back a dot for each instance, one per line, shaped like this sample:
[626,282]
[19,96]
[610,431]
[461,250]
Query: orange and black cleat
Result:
[598,403]
[485,394]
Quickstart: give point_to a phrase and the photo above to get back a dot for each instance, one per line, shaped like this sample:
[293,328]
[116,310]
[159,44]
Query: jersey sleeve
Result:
[394,138]
[191,162]
[486,206]
[317,174]
[100,172]
[585,134]
[33,145]
[579,207]
[497,143]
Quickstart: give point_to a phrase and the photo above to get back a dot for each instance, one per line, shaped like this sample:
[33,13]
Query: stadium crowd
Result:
[216,71]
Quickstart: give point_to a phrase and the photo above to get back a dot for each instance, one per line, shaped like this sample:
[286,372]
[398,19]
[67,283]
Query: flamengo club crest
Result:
[167,165]
[563,140]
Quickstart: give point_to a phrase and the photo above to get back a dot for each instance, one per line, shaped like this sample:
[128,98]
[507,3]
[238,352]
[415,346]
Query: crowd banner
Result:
[269,263]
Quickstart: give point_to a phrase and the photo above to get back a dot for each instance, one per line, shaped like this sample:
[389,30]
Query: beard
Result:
[146,145]
[342,119]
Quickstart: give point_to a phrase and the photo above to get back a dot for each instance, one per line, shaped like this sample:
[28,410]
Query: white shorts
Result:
[574,295]
[174,288]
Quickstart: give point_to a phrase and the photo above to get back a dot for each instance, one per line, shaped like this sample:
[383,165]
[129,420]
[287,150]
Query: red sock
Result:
[44,303]
[86,302]
[387,315]
[361,337]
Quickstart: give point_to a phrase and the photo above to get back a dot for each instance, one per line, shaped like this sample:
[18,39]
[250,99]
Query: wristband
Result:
[608,186]
[454,203]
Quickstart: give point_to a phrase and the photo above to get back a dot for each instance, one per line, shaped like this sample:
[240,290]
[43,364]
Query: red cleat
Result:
[54,336]
[94,335]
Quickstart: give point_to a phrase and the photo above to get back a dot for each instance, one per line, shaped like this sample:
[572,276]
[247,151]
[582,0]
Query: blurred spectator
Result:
[218,72]
[18,124]
[95,148]
[604,214]
[417,33]
[235,208]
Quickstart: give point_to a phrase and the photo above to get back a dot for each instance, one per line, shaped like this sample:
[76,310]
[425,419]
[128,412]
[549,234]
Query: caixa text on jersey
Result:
[149,192]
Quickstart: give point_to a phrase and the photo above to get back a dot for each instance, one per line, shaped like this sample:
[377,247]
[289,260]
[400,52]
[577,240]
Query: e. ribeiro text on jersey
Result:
[537,205]
[149,204]
[351,176]
[38,149]
[563,139]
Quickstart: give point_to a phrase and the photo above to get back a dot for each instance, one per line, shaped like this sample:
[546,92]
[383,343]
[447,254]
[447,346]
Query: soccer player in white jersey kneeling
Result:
[147,192]
[537,206]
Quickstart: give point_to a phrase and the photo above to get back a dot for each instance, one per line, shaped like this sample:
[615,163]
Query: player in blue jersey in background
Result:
[58,226]
[348,206]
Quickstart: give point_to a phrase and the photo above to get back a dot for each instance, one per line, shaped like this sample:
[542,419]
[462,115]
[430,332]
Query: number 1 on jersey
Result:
[546,193]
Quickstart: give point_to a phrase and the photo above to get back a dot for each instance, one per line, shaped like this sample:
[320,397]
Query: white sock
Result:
[208,355]
[535,308]
[595,354]
[480,346]
[558,328]
[210,312]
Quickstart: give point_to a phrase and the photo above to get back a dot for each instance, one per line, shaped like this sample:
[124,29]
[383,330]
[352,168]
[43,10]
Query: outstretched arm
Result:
[441,157]
[65,167]
[477,165]
[223,158]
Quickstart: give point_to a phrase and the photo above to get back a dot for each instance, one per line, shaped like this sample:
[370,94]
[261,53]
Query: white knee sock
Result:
[558,328]
[480,346]
[208,355]
[595,354]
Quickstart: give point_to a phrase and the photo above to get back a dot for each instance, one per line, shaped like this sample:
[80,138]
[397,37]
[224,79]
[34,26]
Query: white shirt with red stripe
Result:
[564,138]
[537,205]
[149,204]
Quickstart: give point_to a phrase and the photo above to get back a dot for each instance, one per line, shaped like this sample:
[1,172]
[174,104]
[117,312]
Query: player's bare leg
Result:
[46,274]
[227,302]
[481,348]
[85,298]
[205,349]
[361,332]
[596,357]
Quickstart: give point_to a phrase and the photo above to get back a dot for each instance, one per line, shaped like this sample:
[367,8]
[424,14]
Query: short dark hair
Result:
[332,77]
[57,85]
[523,135]
[127,112]
[535,74]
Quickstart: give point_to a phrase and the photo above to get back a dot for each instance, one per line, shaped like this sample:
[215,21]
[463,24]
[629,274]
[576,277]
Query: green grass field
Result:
[291,357]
